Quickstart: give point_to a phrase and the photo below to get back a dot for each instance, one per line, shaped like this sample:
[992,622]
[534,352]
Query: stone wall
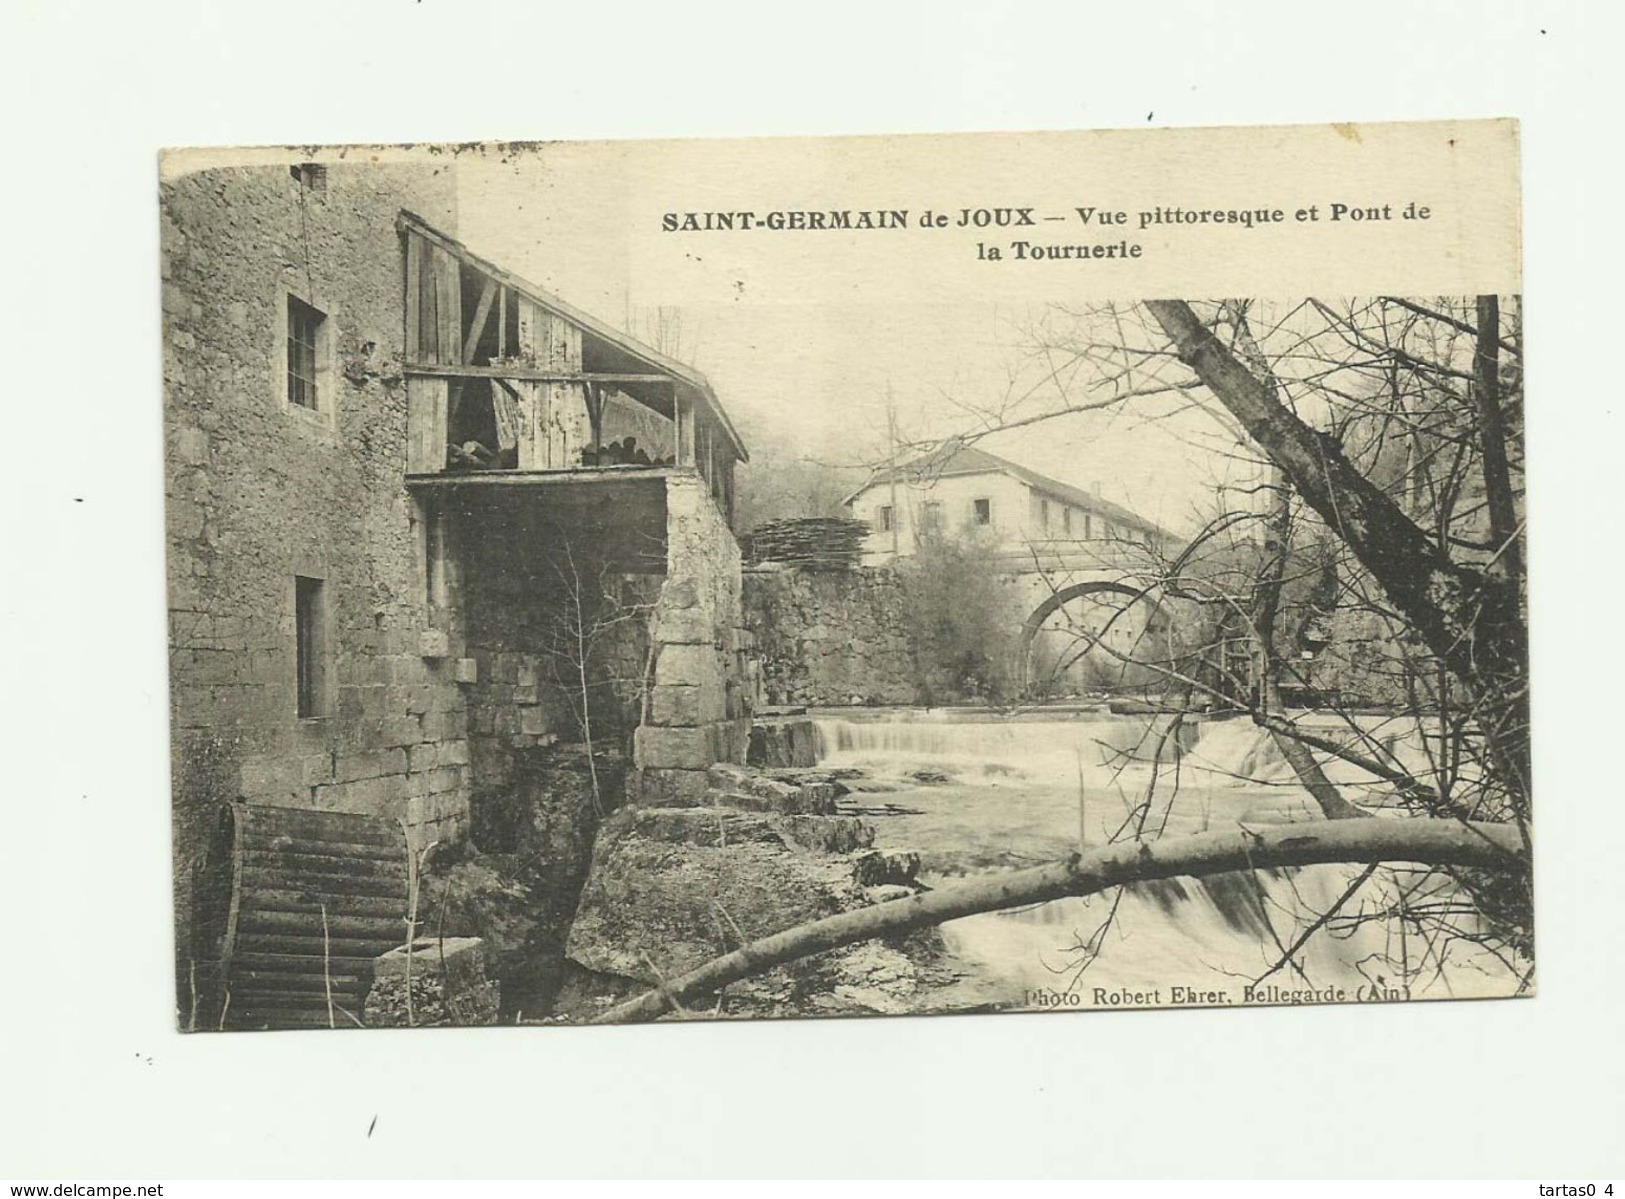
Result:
[700,701]
[647,567]
[534,571]
[260,490]
[829,638]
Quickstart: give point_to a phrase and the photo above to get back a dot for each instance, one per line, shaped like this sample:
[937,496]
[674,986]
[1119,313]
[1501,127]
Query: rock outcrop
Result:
[761,852]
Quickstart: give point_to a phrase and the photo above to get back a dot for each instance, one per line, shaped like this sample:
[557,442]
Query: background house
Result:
[962,490]
[1079,568]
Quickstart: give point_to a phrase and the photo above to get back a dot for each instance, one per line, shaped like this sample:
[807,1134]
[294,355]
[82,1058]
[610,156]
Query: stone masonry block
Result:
[686,665]
[678,594]
[316,768]
[402,731]
[445,778]
[675,749]
[370,765]
[262,775]
[685,706]
[449,982]
[686,626]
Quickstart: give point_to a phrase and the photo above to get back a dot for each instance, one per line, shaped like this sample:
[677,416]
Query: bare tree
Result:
[595,642]
[1387,431]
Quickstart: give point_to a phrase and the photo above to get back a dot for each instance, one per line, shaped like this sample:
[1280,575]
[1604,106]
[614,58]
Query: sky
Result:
[815,379]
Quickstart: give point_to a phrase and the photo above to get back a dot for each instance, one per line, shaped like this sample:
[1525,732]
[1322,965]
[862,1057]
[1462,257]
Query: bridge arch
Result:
[1058,599]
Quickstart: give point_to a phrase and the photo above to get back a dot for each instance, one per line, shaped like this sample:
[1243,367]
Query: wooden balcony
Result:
[505,381]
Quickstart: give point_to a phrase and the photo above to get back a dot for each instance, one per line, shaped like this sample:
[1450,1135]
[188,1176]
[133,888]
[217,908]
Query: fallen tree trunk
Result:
[1426,842]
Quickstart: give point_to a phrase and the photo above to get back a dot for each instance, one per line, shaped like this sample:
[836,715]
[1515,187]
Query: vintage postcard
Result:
[686,580]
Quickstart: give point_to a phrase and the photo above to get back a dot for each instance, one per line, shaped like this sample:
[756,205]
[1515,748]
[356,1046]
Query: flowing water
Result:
[974,792]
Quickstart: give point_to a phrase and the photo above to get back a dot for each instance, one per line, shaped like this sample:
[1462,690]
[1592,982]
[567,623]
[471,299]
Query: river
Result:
[974,791]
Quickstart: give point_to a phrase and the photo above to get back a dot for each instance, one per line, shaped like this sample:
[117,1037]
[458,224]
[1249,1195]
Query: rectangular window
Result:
[1088,526]
[304,332]
[933,516]
[310,645]
[1066,521]
[983,510]
[887,516]
[1043,513]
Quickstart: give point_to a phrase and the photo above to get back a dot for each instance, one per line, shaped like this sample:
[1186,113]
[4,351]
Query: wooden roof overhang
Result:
[609,356]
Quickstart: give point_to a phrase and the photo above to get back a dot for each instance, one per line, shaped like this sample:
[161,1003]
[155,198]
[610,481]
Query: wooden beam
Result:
[426,419]
[568,312]
[482,313]
[582,320]
[414,293]
[540,478]
[683,412]
[431,370]
[448,300]
[595,411]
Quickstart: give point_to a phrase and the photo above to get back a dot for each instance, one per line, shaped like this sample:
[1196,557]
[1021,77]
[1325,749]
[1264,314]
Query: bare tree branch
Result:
[1471,621]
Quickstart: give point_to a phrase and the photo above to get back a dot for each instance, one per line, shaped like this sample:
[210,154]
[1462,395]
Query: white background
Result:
[95,1083]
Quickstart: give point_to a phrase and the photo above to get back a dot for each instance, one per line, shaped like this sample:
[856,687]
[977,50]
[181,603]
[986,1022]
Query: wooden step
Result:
[304,863]
[256,878]
[262,900]
[249,998]
[325,826]
[347,947]
[310,924]
[281,843]
[258,981]
[302,963]
[269,1016]
[319,896]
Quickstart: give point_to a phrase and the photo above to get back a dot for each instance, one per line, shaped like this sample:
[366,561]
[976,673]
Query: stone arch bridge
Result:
[1085,613]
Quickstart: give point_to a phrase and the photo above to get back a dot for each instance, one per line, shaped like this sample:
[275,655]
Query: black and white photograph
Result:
[535,661]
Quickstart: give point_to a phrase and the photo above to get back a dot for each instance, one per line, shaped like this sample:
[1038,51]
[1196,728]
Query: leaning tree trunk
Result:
[1266,602]
[1470,619]
[1428,842]
[1508,562]
[1266,608]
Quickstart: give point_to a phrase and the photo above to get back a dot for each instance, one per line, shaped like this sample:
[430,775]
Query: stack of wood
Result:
[817,542]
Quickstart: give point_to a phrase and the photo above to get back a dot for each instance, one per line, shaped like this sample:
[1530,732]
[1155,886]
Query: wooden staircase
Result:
[315,897]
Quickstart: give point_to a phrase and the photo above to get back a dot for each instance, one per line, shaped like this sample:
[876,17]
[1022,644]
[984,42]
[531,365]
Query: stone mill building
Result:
[401,481]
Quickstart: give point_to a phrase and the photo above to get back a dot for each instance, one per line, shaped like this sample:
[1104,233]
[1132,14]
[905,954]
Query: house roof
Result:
[955,458]
[681,372]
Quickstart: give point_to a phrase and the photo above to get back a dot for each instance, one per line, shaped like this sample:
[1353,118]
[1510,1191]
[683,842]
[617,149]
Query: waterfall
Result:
[1215,934]
[983,790]
[1050,751]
